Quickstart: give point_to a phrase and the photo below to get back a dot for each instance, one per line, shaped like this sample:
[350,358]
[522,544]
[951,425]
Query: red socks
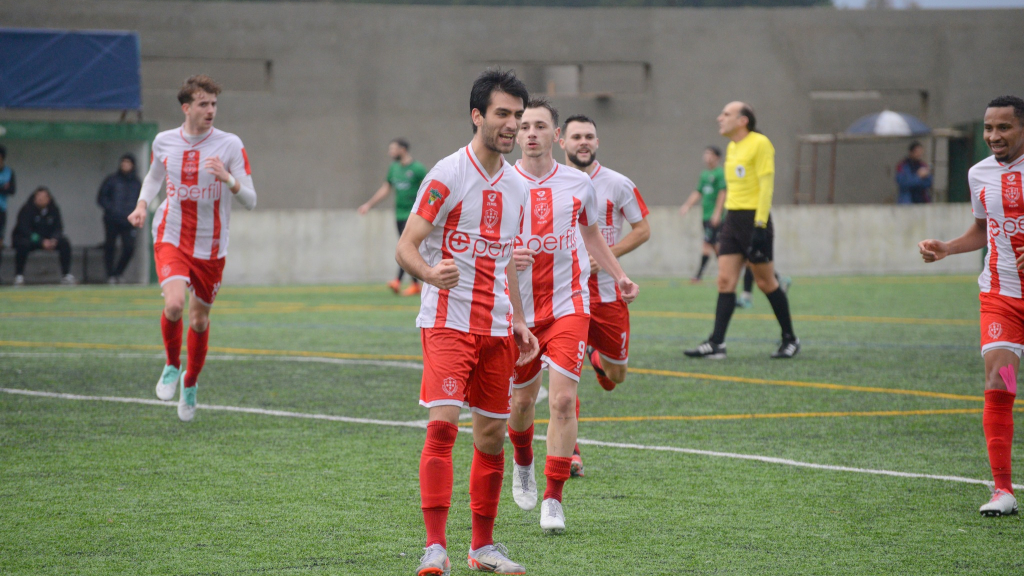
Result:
[172,340]
[436,479]
[556,469]
[997,420]
[485,477]
[522,442]
[196,354]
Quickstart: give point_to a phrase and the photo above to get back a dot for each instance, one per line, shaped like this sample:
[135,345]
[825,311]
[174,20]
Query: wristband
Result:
[231,181]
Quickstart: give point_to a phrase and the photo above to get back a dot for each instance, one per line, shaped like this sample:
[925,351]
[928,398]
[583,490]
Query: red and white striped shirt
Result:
[552,286]
[476,219]
[996,196]
[195,214]
[618,199]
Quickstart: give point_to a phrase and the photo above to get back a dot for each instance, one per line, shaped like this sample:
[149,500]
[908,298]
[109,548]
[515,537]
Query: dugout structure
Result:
[70,107]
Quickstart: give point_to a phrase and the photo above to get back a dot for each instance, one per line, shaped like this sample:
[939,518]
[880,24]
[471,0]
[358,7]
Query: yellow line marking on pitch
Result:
[813,318]
[648,371]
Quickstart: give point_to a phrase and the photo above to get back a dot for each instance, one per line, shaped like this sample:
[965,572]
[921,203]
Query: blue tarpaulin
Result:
[62,69]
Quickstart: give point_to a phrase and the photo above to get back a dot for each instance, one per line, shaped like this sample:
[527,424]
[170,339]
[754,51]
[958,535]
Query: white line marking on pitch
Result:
[537,438]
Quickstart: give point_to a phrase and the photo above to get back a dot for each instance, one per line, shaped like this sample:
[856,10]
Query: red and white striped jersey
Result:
[996,196]
[195,214]
[552,287]
[475,220]
[618,199]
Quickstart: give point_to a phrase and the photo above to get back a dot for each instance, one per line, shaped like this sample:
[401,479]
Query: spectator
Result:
[914,177]
[7,188]
[40,226]
[118,196]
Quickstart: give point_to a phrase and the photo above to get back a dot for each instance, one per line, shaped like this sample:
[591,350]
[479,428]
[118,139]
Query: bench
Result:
[43,266]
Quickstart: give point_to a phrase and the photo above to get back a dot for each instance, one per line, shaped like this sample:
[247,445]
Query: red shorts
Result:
[1002,323]
[470,370]
[609,330]
[202,276]
[563,345]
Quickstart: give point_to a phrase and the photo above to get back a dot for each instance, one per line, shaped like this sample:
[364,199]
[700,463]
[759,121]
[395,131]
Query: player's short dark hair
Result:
[715,150]
[401,142]
[495,80]
[3,152]
[577,118]
[543,103]
[913,145]
[197,83]
[747,111]
[1010,101]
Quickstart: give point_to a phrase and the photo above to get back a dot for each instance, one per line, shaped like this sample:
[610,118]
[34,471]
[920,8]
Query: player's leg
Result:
[1001,368]
[608,342]
[396,284]
[729,268]
[746,299]
[707,249]
[488,393]
[198,339]
[520,433]
[449,357]
[171,330]
[768,282]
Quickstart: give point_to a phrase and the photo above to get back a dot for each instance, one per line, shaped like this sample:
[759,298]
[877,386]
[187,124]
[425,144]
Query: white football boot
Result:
[187,401]
[524,486]
[167,385]
[552,518]
[1001,504]
[493,558]
[434,562]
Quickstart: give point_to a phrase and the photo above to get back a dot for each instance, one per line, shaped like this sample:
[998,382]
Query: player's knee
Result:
[616,374]
[199,323]
[563,403]
[994,380]
[173,308]
[521,402]
[767,285]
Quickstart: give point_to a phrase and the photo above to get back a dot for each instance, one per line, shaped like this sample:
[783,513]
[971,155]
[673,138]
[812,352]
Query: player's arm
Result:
[716,216]
[602,254]
[379,195]
[445,275]
[638,234]
[973,239]
[693,199]
[150,188]
[241,185]
[525,340]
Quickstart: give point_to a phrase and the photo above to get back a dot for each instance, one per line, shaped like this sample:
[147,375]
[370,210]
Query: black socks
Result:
[726,306]
[780,305]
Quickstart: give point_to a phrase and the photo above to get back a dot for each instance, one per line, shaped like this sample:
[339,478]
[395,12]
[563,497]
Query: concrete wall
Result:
[316,90]
[341,246]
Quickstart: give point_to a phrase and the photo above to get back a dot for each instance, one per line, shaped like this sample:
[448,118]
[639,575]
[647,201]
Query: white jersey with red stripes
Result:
[476,219]
[618,199]
[996,195]
[195,214]
[559,202]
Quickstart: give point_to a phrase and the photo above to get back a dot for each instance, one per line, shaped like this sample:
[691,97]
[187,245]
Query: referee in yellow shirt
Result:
[747,234]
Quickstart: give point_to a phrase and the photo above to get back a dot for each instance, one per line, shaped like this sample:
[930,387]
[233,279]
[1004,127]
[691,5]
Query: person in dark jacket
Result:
[118,196]
[7,189]
[40,227]
[914,177]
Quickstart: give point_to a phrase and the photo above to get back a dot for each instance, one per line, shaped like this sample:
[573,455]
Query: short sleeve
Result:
[719,180]
[239,164]
[633,207]
[588,211]
[765,158]
[977,206]
[432,201]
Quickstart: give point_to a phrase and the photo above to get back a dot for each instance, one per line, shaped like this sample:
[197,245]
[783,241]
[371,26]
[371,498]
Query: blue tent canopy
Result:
[61,69]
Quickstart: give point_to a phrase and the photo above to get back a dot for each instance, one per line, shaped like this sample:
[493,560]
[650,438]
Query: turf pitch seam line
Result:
[648,371]
[537,438]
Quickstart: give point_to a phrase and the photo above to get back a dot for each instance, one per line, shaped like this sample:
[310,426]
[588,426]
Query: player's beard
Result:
[491,139]
[583,164]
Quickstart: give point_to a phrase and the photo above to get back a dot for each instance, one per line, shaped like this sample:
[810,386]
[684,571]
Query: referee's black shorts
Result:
[736,232]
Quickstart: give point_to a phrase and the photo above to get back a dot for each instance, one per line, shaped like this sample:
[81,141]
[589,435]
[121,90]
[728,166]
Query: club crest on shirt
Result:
[740,171]
[541,210]
[449,386]
[434,195]
[1012,188]
[491,217]
[995,330]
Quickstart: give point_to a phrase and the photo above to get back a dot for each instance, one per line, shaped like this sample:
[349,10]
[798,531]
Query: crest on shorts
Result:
[995,330]
[166,270]
[449,386]
[491,217]
[740,171]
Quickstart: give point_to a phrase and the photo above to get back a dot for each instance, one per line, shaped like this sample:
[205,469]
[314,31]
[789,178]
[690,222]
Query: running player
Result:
[710,193]
[459,241]
[996,199]
[190,231]
[747,235]
[561,211]
[617,199]
[404,177]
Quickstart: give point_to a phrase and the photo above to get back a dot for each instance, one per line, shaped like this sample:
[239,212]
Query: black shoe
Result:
[787,349]
[707,349]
